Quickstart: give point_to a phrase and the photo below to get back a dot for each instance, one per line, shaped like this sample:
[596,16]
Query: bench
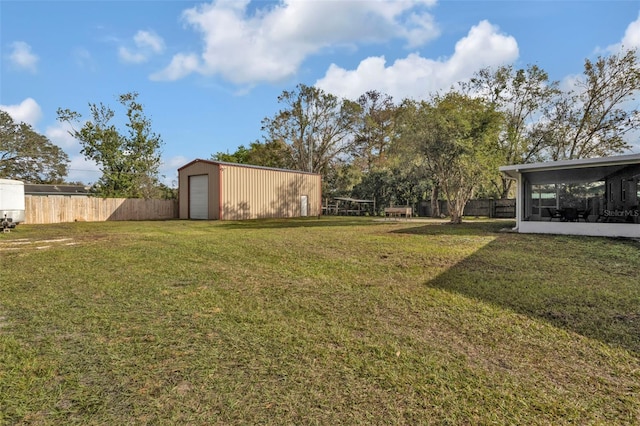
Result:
[389,212]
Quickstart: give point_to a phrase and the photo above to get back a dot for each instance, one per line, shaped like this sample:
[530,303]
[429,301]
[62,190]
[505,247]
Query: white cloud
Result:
[22,58]
[146,43]
[173,163]
[84,59]
[181,65]
[169,170]
[130,57]
[631,38]
[423,30]
[82,170]
[149,40]
[414,76]
[27,111]
[271,44]
[59,135]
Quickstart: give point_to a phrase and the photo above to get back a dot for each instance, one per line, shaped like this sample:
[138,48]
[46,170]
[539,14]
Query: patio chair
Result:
[553,213]
[571,214]
[585,215]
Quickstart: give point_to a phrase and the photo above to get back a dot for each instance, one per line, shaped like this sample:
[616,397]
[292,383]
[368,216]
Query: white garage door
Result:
[199,197]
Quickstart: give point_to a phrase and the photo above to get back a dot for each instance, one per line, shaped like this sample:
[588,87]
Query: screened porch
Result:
[597,196]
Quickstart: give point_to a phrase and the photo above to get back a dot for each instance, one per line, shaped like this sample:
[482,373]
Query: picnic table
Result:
[390,212]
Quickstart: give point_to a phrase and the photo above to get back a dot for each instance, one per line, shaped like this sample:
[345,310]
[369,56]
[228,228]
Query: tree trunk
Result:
[506,187]
[455,212]
[435,204]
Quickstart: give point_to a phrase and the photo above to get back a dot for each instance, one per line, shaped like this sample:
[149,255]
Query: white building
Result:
[596,196]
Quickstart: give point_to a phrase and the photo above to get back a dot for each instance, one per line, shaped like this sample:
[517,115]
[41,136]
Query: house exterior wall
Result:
[620,218]
[630,230]
[239,192]
[627,178]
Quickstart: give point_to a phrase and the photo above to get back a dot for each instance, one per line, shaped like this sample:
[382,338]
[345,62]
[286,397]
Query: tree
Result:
[457,137]
[592,120]
[29,156]
[522,96]
[240,156]
[375,128]
[129,160]
[268,154]
[393,185]
[316,127]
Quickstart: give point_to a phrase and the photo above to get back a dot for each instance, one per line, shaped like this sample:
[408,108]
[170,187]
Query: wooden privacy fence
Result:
[57,209]
[502,208]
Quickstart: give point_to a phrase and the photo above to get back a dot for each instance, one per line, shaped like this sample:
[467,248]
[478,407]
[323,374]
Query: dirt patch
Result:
[26,243]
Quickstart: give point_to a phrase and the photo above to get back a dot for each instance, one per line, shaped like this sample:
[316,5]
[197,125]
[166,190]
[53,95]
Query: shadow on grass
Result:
[441,227]
[300,222]
[586,285]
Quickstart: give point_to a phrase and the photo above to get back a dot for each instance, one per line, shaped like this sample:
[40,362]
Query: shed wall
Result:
[196,169]
[252,193]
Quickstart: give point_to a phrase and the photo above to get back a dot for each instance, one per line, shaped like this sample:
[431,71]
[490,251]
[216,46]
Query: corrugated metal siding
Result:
[252,193]
[196,169]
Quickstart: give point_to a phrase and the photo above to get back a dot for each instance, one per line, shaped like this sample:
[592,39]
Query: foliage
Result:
[393,185]
[240,156]
[340,179]
[165,192]
[457,135]
[370,148]
[129,160]
[268,154]
[29,156]
[375,129]
[326,321]
[592,119]
[521,95]
[316,127]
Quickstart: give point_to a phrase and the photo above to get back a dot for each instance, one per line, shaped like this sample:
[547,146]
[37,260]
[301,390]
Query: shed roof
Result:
[223,163]
[45,189]
[353,200]
[558,170]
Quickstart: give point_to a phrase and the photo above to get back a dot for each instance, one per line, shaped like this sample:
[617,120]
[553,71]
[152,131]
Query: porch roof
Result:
[583,170]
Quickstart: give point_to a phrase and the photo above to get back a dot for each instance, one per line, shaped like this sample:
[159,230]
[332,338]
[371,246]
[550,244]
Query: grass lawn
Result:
[316,321]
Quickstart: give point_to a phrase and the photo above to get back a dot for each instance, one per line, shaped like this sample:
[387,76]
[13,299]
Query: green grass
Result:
[307,321]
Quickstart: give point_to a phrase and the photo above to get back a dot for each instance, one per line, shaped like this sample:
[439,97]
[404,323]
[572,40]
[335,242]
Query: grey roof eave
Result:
[514,170]
[251,166]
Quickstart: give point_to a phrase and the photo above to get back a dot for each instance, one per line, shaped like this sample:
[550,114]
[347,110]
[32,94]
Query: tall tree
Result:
[129,160]
[522,95]
[316,126]
[457,135]
[29,156]
[592,119]
[375,128]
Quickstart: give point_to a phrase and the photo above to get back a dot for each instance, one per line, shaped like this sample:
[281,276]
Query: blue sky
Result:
[209,72]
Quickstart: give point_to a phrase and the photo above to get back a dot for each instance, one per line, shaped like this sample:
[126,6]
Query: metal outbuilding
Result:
[229,191]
